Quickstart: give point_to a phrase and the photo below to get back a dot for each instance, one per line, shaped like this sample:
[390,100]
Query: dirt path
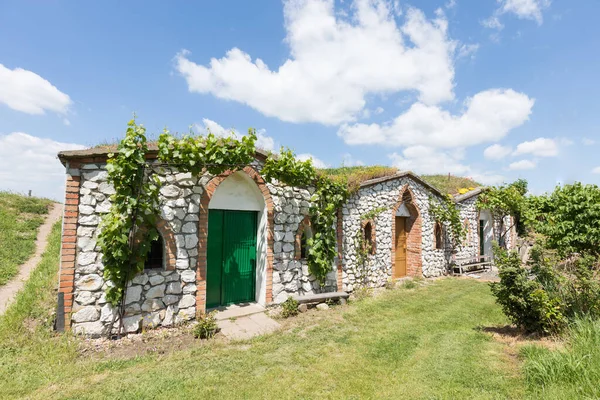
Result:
[8,291]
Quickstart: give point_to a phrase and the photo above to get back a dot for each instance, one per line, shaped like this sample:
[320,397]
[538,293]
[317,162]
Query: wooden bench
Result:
[483,262]
[322,297]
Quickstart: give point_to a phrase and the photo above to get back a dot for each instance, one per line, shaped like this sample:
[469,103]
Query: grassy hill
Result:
[451,184]
[20,217]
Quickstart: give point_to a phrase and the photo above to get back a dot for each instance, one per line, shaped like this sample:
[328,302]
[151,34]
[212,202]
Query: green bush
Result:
[206,326]
[523,298]
[290,308]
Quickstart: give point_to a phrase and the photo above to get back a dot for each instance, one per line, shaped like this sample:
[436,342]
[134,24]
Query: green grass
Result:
[450,184]
[354,176]
[569,373]
[20,217]
[419,343]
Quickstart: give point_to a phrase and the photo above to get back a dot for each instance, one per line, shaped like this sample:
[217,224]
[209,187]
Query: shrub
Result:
[524,300]
[206,326]
[290,308]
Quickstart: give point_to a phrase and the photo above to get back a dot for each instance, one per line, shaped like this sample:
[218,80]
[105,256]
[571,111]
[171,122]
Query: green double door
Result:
[231,257]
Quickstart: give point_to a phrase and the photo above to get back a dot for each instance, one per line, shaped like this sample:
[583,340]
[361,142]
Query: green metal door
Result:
[231,257]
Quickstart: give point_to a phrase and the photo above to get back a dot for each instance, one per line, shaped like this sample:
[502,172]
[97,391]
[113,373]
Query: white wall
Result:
[488,231]
[239,192]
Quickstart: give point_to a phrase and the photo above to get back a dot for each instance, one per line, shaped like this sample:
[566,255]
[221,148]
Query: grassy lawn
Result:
[405,343]
[20,217]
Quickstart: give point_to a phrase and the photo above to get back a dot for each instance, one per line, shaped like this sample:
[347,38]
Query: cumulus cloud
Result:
[316,162]
[596,170]
[540,147]
[262,140]
[334,63]
[488,117]
[28,92]
[349,161]
[29,163]
[496,152]
[428,160]
[523,9]
[522,165]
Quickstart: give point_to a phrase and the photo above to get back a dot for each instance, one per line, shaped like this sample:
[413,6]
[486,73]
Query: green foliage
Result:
[289,308]
[206,326]
[409,284]
[327,199]
[353,177]
[215,154]
[451,184]
[522,299]
[127,230]
[570,219]
[448,213]
[507,200]
[20,218]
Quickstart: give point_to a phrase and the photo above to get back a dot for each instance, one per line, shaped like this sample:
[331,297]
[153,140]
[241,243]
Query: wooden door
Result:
[231,257]
[400,247]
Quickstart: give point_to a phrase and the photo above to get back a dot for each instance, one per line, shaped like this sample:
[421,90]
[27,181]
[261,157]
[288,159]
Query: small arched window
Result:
[467,229]
[304,247]
[369,237]
[156,255]
[438,236]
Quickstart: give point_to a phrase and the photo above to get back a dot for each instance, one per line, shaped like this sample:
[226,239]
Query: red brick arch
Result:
[209,190]
[414,234]
[164,229]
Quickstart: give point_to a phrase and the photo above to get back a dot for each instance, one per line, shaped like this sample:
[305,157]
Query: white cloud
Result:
[488,117]
[28,92]
[522,165]
[588,141]
[467,50]
[596,170]
[450,4]
[541,147]
[523,9]
[30,163]
[334,63]
[496,152]
[349,161]
[316,162]
[262,140]
[428,160]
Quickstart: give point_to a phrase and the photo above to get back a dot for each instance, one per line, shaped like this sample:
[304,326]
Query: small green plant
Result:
[289,308]
[362,293]
[206,326]
[390,284]
[409,284]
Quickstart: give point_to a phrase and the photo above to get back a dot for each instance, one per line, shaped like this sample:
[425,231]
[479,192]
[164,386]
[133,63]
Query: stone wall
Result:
[290,274]
[378,269]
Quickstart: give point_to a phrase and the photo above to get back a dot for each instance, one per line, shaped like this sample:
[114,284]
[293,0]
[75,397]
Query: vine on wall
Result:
[362,249]
[448,213]
[128,228]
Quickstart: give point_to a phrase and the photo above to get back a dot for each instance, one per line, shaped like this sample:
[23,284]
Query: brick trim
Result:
[66,280]
[209,190]
[414,242]
[298,239]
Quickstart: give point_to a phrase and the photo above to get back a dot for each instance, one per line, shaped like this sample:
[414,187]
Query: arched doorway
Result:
[486,233]
[406,233]
[236,246]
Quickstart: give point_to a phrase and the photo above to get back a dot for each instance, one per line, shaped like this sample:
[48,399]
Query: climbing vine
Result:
[327,198]
[127,230]
[362,250]
[447,213]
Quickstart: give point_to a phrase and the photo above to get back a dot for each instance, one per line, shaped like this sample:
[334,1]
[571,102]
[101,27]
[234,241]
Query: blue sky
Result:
[492,89]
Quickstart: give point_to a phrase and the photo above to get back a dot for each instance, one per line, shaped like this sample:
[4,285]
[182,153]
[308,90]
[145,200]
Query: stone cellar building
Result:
[236,239]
